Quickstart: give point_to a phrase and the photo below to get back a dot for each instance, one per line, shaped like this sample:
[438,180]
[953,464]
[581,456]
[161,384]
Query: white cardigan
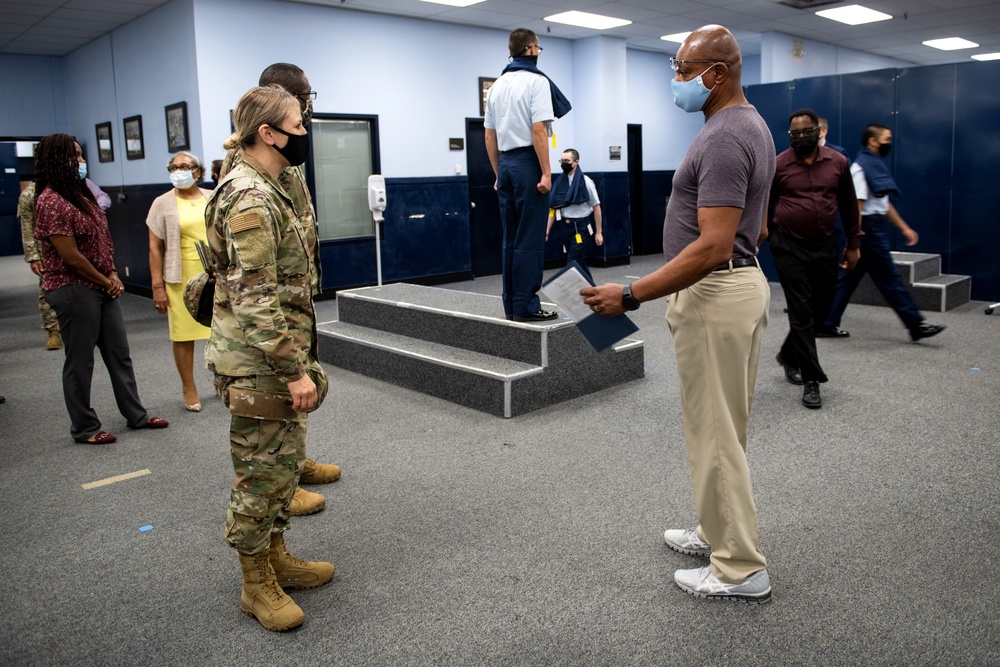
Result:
[164,221]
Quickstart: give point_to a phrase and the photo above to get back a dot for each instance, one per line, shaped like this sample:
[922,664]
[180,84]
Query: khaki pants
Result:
[717,325]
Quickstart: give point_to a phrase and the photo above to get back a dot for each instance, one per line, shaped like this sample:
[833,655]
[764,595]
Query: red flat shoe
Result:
[99,438]
[156,422]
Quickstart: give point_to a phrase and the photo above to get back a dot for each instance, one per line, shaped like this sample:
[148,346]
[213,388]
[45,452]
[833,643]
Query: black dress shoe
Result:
[810,396]
[924,330]
[539,316]
[831,332]
[792,374]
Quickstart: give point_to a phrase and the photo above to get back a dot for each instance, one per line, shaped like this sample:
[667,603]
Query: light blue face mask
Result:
[81,169]
[691,95]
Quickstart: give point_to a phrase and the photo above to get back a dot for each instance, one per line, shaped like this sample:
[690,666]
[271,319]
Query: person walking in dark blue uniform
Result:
[875,189]
[520,108]
[574,203]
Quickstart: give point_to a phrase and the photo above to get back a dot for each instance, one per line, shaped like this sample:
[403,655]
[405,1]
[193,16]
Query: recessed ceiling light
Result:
[986,56]
[853,15]
[950,43]
[678,37]
[587,20]
[455,3]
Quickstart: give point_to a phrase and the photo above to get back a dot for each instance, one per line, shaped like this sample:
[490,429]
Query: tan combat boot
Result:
[319,473]
[305,502]
[294,573]
[55,342]
[263,598]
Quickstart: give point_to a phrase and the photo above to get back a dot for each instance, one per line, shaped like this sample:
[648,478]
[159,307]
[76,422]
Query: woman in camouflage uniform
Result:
[263,348]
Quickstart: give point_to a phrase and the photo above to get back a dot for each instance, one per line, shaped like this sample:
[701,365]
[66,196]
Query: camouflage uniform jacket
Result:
[263,322]
[293,180]
[26,212]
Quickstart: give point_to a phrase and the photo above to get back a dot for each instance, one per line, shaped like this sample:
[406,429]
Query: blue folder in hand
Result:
[563,289]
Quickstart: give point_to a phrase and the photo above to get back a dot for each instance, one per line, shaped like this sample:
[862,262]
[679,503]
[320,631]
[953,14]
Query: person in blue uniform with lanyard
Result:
[520,108]
[572,202]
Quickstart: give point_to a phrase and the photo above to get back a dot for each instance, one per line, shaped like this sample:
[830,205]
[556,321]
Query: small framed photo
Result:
[134,149]
[484,87]
[177,127]
[105,146]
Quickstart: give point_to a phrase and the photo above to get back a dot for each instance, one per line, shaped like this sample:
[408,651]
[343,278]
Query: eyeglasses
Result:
[808,132]
[675,64]
[181,167]
[540,49]
[311,95]
[566,161]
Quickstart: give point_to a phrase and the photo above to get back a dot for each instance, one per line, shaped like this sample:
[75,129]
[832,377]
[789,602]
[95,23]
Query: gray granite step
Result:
[921,273]
[458,346]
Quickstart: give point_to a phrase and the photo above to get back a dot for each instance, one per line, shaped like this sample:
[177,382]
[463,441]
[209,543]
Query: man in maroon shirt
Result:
[811,183]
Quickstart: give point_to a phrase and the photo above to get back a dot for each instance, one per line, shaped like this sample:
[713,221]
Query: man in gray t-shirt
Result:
[718,313]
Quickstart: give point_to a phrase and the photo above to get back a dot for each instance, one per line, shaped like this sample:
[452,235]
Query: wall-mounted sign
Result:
[614,152]
[456,144]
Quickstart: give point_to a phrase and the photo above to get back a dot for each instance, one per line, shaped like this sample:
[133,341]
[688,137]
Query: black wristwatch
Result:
[629,302]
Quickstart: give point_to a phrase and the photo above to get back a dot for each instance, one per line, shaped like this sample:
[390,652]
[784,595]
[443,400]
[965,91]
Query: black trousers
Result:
[88,319]
[807,271]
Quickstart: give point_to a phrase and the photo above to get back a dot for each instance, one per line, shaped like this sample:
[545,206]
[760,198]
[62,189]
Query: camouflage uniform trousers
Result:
[267,441]
[49,321]
[265,437]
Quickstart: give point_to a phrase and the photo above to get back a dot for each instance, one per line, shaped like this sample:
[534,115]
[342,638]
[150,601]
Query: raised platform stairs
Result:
[459,346]
[932,290]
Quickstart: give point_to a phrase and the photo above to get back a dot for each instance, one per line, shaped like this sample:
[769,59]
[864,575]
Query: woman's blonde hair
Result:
[261,105]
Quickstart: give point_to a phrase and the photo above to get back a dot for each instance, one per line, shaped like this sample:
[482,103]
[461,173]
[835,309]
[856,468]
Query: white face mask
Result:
[182,179]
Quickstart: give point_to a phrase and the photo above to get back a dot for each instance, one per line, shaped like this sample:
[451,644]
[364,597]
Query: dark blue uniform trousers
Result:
[877,261]
[524,212]
[577,252]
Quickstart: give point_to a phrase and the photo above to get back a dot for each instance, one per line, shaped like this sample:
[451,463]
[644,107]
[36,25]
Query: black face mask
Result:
[804,146]
[297,148]
[883,149]
[566,167]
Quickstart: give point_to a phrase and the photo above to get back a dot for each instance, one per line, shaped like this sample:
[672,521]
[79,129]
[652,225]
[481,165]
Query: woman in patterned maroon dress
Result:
[82,286]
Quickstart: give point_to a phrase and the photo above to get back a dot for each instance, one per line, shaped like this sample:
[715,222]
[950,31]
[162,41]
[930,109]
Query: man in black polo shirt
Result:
[811,183]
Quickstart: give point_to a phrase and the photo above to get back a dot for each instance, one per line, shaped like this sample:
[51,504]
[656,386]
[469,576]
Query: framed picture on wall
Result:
[484,87]
[134,149]
[177,127]
[105,147]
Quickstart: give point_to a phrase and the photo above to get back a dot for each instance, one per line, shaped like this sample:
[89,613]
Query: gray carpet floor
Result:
[465,539]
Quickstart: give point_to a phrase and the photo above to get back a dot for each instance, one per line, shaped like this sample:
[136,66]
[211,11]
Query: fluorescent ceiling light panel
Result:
[455,3]
[950,43]
[678,37]
[853,15]
[587,20]
[986,56]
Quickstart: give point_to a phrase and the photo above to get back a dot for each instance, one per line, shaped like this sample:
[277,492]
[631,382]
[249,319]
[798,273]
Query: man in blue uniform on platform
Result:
[520,108]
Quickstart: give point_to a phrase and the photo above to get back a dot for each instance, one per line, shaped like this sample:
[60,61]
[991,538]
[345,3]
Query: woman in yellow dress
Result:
[176,223]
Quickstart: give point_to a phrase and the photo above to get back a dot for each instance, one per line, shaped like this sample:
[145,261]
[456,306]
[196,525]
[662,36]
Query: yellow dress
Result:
[191,213]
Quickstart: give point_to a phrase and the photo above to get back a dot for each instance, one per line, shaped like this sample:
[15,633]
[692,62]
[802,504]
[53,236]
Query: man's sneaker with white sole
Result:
[756,589]
[687,542]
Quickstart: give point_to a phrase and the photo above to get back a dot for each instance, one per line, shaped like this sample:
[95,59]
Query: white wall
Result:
[666,130]
[137,69]
[34,96]
[420,78]
[779,60]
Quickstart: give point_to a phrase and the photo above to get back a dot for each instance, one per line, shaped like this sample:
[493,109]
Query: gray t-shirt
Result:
[730,163]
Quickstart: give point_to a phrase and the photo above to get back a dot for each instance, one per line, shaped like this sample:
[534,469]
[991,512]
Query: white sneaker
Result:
[687,542]
[756,589]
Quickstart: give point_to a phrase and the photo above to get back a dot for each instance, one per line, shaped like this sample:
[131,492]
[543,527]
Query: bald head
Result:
[712,54]
[713,42]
